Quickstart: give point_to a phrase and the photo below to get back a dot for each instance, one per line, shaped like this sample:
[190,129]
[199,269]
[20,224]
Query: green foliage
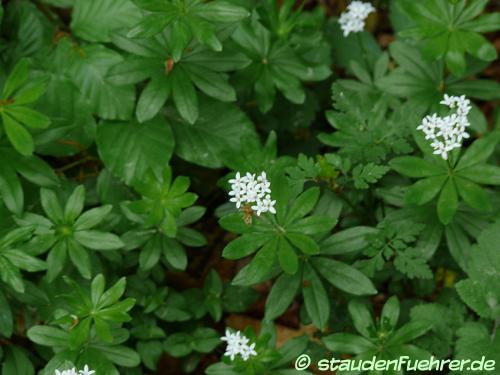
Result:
[68,232]
[251,171]
[381,339]
[16,93]
[454,28]
[447,181]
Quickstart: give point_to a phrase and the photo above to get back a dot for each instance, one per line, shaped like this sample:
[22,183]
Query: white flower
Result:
[85,371]
[447,133]
[66,372]
[353,20]
[237,343]
[255,191]
[248,351]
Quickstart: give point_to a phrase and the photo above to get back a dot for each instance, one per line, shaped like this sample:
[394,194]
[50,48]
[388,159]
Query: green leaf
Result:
[29,117]
[204,32]
[315,297]
[56,259]
[80,258]
[245,245]
[153,5]
[211,83]
[262,263]
[18,136]
[485,23]
[364,175]
[415,167]
[48,336]
[150,25]
[348,343]
[478,46]
[150,254]
[409,332]
[148,144]
[447,202]
[97,240]
[303,204]
[16,78]
[473,194]
[424,190]
[185,97]
[479,151]
[93,20]
[361,317]
[89,72]
[11,275]
[97,288]
[224,11]
[413,264]
[178,344]
[478,88]
[343,276]
[113,294]
[455,61]
[204,339]
[482,174]
[17,362]
[281,295]
[24,261]
[458,244]
[31,92]
[121,355]
[303,242]
[212,135]
[182,37]
[152,99]
[313,224]
[174,254]
[474,294]
[11,190]
[51,205]
[287,257]
[92,217]
[74,204]
[390,313]
[347,240]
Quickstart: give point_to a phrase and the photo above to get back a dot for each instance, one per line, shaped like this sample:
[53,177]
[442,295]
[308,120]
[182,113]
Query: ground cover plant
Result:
[231,187]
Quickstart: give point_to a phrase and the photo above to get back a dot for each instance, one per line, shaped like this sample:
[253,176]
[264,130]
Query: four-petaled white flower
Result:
[353,20]
[447,133]
[255,191]
[237,344]
[85,371]
[66,372]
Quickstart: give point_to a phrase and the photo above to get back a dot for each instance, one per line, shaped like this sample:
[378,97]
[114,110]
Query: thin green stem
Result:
[495,327]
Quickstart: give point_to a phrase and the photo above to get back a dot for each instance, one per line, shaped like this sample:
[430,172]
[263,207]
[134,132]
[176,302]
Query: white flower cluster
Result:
[255,191]
[237,343]
[353,21]
[85,371]
[447,133]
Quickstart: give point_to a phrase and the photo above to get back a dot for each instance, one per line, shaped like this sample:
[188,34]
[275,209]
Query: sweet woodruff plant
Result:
[240,187]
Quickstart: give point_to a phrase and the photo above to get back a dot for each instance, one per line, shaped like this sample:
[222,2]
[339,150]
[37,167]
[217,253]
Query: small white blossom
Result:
[447,133]
[353,20]
[255,191]
[66,372]
[85,371]
[238,344]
